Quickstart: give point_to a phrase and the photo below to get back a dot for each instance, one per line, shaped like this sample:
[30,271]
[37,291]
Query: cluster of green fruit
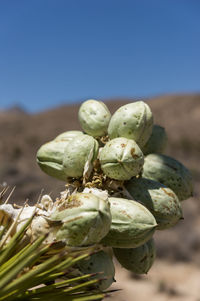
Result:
[121,188]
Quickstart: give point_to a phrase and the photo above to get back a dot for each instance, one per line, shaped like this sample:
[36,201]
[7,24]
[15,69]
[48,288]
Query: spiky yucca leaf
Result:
[29,274]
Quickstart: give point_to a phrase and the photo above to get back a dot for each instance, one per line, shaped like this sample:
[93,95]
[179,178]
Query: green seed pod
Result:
[77,153]
[121,159]
[94,117]
[138,260]
[160,200]
[50,157]
[85,219]
[102,264]
[68,136]
[169,172]
[157,142]
[132,224]
[132,121]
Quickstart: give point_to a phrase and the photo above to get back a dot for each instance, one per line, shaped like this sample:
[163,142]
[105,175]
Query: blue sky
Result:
[59,51]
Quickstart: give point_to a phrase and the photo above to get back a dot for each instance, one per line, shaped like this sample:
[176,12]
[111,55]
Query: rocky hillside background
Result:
[21,134]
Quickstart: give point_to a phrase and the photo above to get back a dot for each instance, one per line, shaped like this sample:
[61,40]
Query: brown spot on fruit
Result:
[168,193]
[133,153]
[125,213]
[143,259]
[123,145]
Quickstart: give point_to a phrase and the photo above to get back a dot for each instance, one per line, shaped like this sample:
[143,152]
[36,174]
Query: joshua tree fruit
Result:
[102,264]
[157,142]
[81,149]
[94,117]
[132,121]
[132,224]
[85,219]
[169,172]
[159,199]
[138,260]
[121,159]
[50,158]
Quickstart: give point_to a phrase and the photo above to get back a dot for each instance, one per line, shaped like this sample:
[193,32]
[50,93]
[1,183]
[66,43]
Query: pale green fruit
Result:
[102,264]
[132,224]
[94,117]
[169,172]
[121,159]
[85,219]
[138,260]
[159,199]
[157,142]
[52,151]
[77,153]
[68,136]
[50,157]
[132,121]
